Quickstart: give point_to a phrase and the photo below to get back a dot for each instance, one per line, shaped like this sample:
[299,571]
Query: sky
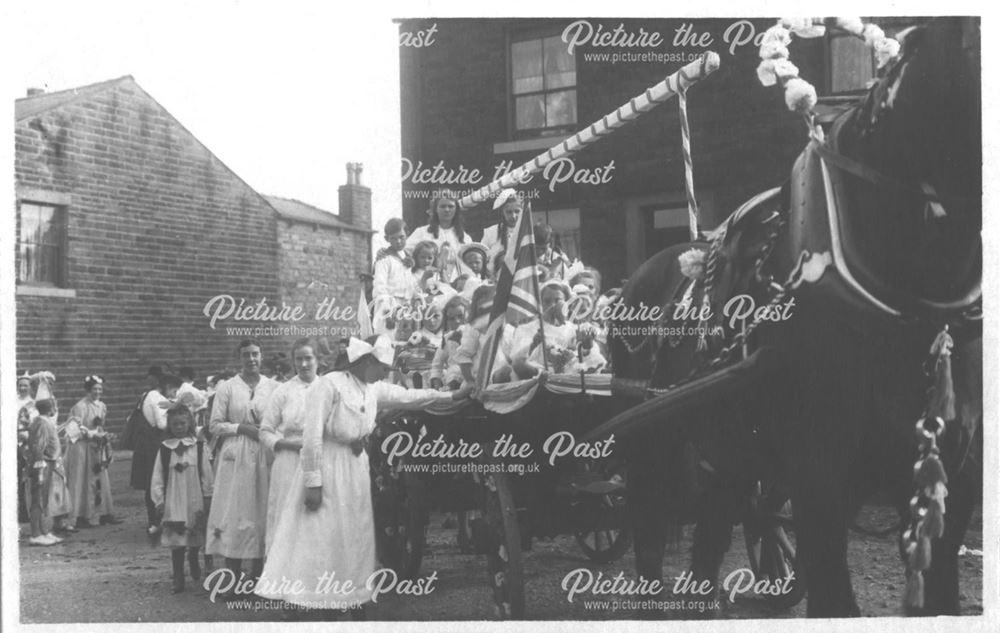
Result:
[284,93]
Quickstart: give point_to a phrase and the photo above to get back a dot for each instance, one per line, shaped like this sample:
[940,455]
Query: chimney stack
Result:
[355,199]
[34,92]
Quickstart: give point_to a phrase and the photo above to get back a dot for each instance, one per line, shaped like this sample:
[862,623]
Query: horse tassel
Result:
[942,402]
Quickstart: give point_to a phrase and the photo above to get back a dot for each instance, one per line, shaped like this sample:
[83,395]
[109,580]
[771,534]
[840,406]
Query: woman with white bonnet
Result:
[326,525]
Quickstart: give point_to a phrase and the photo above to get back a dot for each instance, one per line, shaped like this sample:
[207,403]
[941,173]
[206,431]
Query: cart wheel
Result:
[401,520]
[605,539]
[771,550]
[503,547]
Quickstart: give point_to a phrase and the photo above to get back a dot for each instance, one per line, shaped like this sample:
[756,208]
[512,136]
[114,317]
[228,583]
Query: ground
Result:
[114,575]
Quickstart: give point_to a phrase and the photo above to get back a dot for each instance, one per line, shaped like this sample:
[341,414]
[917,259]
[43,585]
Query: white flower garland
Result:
[775,67]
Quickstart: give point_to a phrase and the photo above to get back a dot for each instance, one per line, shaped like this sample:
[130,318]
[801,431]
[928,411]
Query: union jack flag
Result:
[516,299]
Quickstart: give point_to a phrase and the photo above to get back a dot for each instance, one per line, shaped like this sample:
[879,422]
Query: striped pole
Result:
[676,83]
[688,166]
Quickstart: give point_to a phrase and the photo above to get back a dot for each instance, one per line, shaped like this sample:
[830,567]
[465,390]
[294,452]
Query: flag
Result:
[365,328]
[516,299]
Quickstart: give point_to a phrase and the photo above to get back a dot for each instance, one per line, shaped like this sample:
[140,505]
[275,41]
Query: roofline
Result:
[110,82]
[334,223]
[84,90]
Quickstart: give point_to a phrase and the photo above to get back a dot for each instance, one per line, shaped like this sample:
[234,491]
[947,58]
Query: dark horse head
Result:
[920,127]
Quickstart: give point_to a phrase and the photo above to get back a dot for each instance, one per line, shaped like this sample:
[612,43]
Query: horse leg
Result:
[713,532]
[646,507]
[941,580]
[821,516]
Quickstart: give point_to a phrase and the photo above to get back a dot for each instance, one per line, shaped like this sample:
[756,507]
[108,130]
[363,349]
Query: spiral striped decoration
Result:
[688,165]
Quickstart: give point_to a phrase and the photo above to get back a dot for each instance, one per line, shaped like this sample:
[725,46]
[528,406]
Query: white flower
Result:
[784,69]
[800,96]
[885,50]
[873,34]
[773,50]
[854,26]
[803,27]
[692,263]
[765,72]
[777,34]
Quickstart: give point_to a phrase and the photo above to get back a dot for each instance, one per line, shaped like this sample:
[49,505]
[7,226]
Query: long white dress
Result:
[339,537]
[284,418]
[238,516]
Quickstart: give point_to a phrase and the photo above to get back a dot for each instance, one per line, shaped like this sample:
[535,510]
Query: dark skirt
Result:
[147,444]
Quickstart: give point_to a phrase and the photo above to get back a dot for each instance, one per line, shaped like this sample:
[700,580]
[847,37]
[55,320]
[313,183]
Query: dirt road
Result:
[111,574]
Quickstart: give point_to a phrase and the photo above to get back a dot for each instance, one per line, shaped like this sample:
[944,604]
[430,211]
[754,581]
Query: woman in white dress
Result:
[281,428]
[326,526]
[238,516]
[446,229]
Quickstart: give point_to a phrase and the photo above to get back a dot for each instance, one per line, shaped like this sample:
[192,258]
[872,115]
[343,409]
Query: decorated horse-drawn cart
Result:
[537,457]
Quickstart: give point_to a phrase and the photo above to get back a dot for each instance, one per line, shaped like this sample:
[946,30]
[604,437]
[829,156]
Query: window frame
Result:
[60,204]
[527,35]
[542,217]
[828,64]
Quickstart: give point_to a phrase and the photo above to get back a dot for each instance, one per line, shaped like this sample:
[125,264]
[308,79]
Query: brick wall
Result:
[157,225]
[318,263]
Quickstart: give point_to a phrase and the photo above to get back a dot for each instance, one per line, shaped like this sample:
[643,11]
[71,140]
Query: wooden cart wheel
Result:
[771,551]
[606,545]
[503,547]
[401,515]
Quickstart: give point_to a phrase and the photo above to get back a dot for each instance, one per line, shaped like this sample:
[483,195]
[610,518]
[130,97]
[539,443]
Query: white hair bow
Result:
[382,350]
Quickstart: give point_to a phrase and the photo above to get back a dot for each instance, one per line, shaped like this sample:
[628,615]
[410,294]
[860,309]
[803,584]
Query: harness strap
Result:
[877,178]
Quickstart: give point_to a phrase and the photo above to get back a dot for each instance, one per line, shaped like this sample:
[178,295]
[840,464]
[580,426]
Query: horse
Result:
[860,259]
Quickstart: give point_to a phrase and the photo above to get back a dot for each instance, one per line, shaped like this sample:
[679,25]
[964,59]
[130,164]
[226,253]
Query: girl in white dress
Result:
[281,428]
[181,488]
[238,516]
[326,526]
[445,228]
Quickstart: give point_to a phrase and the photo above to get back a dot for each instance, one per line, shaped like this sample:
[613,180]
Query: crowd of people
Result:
[434,290]
[268,477]
[265,477]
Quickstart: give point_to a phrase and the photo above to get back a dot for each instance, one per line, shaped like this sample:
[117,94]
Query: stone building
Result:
[128,226]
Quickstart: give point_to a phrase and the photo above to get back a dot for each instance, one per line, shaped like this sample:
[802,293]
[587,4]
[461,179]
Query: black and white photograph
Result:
[434,314]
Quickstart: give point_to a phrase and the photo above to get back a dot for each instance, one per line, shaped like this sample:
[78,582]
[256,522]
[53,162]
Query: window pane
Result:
[40,243]
[26,269]
[851,64]
[527,84]
[526,65]
[48,264]
[530,112]
[30,223]
[561,80]
[565,225]
[560,108]
[557,61]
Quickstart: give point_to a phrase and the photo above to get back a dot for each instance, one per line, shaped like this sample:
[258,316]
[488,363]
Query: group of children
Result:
[435,301]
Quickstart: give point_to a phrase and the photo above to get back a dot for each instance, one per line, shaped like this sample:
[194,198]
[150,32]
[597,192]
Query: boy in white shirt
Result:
[393,285]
